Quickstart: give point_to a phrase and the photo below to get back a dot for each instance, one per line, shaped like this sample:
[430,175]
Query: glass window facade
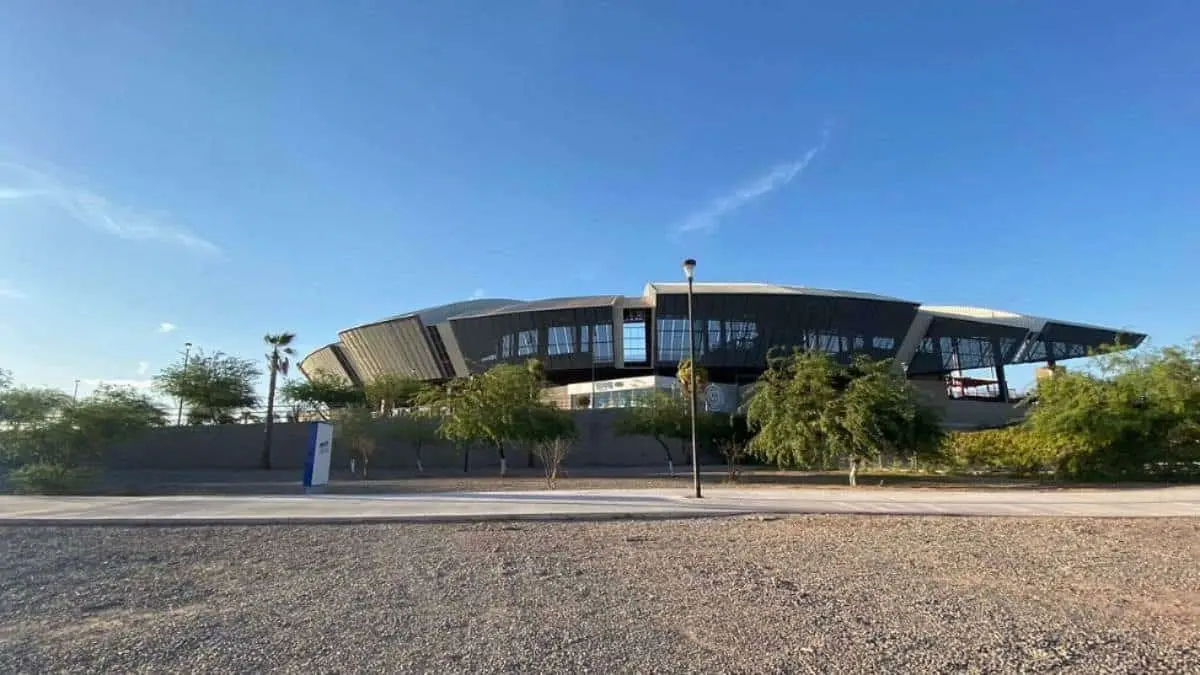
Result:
[561,340]
[527,343]
[633,336]
[602,342]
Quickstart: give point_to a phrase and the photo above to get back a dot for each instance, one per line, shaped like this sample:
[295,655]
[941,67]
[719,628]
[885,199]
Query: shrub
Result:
[48,479]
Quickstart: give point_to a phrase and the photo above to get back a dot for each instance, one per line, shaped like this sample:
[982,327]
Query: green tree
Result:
[278,361]
[808,410]
[658,415]
[1138,417]
[214,386]
[48,447]
[550,432]
[388,392]
[495,408]
[356,428]
[323,392]
[417,427]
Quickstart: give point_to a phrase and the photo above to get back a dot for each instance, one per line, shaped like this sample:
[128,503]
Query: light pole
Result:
[689,269]
[187,352]
[75,394]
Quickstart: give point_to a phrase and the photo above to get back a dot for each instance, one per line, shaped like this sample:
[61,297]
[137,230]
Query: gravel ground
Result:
[827,594]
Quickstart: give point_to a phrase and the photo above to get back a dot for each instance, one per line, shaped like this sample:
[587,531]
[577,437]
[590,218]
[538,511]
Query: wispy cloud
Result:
[709,218]
[96,211]
[143,367]
[10,292]
[166,327]
[135,384]
[477,294]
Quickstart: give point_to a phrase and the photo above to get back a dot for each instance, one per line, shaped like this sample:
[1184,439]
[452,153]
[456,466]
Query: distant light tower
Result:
[689,270]
[75,394]
[187,352]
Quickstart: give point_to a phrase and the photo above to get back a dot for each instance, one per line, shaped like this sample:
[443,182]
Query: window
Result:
[714,334]
[562,340]
[672,339]
[584,340]
[527,343]
[506,346]
[880,342]
[634,336]
[602,343]
[740,335]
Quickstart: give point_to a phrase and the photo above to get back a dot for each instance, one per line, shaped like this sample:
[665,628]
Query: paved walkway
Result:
[589,504]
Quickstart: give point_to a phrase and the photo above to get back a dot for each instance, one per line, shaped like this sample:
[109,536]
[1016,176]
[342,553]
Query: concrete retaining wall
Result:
[238,446]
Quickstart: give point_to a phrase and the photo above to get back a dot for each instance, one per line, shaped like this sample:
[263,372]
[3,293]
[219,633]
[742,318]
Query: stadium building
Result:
[602,351]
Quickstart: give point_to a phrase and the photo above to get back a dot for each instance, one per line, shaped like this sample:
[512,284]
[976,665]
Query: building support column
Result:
[998,359]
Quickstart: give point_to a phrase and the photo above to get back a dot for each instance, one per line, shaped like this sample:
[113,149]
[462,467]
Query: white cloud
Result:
[477,294]
[10,292]
[166,327]
[98,213]
[709,218]
[143,367]
[135,384]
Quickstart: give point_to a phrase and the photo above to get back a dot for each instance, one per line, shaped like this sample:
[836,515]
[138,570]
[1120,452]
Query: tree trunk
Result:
[466,458]
[529,456]
[420,466]
[853,471]
[366,460]
[265,461]
[670,460]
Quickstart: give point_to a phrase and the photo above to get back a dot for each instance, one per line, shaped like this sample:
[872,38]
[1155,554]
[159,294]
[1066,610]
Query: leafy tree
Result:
[214,386]
[356,428]
[495,408]
[658,415]
[323,392]
[387,392]
[25,406]
[278,361]
[551,431]
[686,377]
[417,427]
[809,410]
[48,446]
[1139,416]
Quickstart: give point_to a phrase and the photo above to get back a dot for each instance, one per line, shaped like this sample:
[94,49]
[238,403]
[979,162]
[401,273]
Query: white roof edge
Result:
[1007,318]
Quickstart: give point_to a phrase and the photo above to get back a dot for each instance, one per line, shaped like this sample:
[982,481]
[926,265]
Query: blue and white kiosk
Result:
[320,450]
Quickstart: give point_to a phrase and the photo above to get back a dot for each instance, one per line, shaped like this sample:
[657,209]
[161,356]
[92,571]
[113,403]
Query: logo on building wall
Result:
[714,397]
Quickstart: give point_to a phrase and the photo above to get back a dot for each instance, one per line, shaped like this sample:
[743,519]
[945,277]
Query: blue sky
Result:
[211,171]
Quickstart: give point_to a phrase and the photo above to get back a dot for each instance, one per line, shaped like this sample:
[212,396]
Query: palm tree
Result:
[277,362]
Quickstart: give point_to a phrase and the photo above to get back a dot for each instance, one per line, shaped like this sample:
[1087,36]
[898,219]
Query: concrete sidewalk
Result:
[596,504]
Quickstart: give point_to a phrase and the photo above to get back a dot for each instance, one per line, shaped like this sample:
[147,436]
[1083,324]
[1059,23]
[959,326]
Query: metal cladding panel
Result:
[457,363]
[328,359]
[738,330]
[515,337]
[398,347]
[1061,341]
[962,344]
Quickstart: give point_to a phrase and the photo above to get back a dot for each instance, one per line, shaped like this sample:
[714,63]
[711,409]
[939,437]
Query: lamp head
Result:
[689,268]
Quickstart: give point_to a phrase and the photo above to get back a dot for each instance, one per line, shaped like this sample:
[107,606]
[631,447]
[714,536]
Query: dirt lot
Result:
[811,594]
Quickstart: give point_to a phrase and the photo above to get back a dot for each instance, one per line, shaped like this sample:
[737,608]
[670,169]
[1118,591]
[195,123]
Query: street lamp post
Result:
[187,352]
[75,394]
[689,269]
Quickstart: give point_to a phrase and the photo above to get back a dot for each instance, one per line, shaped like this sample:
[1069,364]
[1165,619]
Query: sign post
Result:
[320,449]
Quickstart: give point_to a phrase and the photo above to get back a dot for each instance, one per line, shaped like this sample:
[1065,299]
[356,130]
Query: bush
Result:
[48,479]
[1012,450]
